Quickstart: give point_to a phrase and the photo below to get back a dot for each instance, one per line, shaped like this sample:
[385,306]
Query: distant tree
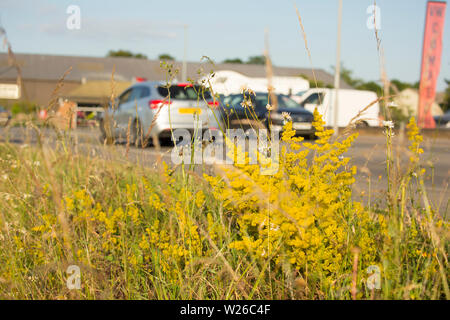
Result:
[400,85]
[119,53]
[125,54]
[235,60]
[140,56]
[166,56]
[346,75]
[446,104]
[256,60]
[371,86]
[359,84]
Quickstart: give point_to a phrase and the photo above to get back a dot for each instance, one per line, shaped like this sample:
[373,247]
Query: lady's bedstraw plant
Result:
[412,234]
[138,233]
[389,126]
[302,215]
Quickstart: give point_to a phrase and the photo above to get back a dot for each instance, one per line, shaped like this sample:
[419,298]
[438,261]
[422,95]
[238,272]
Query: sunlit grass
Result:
[140,233]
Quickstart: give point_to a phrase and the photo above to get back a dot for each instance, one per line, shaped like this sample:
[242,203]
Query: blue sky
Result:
[228,29]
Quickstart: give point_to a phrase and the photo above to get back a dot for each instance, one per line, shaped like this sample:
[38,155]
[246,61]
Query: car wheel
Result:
[362,125]
[312,136]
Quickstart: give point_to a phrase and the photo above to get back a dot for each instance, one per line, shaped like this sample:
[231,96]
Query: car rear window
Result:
[233,100]
[283,102]
[185,92]
[286,102]
[260,101]
[314,98]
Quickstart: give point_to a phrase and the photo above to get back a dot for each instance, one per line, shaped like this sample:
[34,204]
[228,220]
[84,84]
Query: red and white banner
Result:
[431,61]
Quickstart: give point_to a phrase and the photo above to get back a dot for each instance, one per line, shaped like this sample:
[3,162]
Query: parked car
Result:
[298,96]
[350,103]
[5,116]
[443,120]
[238,116]
[150,108]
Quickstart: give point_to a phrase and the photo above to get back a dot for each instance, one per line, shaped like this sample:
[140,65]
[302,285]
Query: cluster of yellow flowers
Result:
[415,138]
[174,243]
[300,217]
[303,213]
[179,245]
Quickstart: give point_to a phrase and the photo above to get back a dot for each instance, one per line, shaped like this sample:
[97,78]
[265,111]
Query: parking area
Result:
[368,153]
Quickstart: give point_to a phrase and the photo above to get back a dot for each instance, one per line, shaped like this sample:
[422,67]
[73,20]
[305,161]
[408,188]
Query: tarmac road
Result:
[368,153]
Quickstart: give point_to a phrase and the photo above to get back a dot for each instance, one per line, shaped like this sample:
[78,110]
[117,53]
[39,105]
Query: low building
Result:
[88,80]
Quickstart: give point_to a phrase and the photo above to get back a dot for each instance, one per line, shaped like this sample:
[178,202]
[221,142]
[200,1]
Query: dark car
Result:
[443,121]
[244,110]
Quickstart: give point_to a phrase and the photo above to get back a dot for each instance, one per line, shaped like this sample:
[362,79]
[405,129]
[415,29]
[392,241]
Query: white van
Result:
[351,102]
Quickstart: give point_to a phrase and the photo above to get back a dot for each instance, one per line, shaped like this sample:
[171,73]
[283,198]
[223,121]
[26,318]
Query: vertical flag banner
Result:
[431,61]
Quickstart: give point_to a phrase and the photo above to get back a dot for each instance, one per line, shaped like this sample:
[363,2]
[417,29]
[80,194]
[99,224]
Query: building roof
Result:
[52,67]
[97,90]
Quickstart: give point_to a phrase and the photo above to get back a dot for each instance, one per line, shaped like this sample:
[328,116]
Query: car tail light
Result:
[213,104]
[155,104]
[184,84]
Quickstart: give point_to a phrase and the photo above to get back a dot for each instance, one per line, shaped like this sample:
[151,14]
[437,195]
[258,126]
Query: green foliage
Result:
[261,60]
[166,57]
[234,60]
[446,104]
[359,84]
[346,75]
[371,86]
[125,54]
[23,107]
[400,85]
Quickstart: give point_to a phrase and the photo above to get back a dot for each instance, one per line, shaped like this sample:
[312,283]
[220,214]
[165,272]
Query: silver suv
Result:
[148,109]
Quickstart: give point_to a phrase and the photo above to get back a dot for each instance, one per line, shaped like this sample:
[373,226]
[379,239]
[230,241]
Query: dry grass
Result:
[165,233]
[49,221]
